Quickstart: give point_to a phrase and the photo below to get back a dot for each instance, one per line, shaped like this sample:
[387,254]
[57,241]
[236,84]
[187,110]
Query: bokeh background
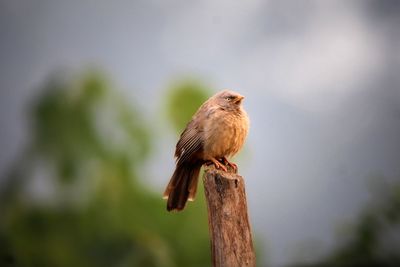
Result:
[94,95]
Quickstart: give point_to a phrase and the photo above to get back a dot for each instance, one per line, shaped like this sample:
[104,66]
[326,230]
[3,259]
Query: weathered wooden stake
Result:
[228,221]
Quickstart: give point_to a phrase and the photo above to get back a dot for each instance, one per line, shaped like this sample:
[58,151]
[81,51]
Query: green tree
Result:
[184,98]
[87,149]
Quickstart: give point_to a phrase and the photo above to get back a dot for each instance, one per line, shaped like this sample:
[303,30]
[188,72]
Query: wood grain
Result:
[230,231]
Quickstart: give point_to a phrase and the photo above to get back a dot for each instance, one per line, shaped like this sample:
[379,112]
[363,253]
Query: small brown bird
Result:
[216,132]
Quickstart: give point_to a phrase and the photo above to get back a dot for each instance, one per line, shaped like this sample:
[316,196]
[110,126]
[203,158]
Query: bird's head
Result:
[229,100]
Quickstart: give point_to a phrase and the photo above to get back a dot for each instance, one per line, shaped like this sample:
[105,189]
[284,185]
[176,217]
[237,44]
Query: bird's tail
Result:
[183,185]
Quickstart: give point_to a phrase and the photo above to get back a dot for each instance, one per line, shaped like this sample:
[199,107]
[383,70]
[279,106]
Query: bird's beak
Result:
[239,99]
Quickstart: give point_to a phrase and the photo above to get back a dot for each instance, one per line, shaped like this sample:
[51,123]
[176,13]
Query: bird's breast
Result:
[225,133]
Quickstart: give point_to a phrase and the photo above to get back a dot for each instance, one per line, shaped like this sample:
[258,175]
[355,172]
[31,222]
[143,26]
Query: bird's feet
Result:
[218,164]
[231,164]
[222,164]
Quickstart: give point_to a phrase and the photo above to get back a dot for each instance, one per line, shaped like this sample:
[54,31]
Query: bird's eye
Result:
[229,98]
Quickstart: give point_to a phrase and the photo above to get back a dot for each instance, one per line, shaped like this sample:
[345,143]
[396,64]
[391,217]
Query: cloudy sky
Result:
[320,78]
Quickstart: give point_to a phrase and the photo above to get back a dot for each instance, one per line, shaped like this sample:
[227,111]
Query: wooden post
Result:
[228,221]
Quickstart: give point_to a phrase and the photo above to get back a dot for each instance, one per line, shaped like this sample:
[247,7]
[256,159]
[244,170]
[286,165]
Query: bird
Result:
[216,132]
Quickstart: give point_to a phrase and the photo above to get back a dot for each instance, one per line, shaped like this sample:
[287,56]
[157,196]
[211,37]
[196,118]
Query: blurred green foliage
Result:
[184,98]
[87,149]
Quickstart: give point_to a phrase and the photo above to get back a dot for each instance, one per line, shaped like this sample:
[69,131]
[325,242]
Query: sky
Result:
[320,79]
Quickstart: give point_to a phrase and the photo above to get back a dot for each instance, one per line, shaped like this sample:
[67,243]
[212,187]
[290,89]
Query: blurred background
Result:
[94,95]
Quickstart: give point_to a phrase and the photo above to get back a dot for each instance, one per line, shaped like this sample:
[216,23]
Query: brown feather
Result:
[182,186]
[217,130]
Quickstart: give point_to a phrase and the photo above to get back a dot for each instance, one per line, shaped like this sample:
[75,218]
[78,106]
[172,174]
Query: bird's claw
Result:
[231,164]
[218,164]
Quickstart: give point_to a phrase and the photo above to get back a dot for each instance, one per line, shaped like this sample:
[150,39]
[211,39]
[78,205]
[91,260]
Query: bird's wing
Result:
[190,143]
